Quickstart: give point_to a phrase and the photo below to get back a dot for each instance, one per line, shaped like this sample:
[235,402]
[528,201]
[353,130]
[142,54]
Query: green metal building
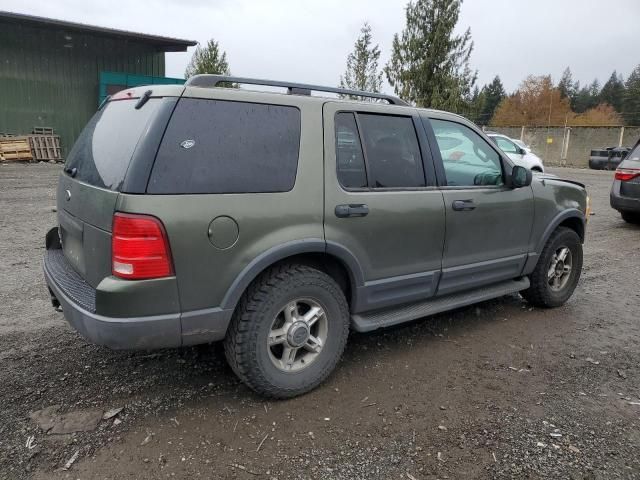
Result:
[54,73]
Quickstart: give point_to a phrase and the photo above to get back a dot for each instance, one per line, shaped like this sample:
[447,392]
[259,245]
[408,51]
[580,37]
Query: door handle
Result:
[352,210]
[463,205]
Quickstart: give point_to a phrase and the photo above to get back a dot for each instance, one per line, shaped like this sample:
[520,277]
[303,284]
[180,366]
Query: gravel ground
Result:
[497,390]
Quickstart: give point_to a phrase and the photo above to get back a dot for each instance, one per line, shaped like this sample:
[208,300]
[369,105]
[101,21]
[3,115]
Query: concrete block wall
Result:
[581,141]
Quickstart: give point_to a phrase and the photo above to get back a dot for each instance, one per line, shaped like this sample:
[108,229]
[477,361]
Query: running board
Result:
[387,317]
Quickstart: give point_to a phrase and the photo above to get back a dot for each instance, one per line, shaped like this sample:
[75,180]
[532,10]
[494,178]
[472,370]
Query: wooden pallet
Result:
[42,130]
[46,147]
[15,148]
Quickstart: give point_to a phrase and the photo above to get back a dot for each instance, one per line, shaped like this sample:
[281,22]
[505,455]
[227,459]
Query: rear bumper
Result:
[118,333]
[77,300]
[622,203]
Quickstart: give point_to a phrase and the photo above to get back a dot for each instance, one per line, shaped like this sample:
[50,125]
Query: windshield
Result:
[103,151]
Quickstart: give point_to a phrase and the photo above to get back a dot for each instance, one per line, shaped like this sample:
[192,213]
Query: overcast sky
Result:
[308,41]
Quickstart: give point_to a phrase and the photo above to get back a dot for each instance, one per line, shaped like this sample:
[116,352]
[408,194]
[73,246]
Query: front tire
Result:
[288,332]
[558,270]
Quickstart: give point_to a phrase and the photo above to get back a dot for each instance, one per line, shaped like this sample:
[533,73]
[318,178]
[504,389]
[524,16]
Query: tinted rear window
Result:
[392,151]
[103,151]
[217,146]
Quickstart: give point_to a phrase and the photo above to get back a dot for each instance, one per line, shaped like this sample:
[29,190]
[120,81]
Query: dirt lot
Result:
[498,390]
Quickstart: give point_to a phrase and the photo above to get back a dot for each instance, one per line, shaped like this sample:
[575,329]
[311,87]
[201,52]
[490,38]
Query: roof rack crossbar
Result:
[208,80]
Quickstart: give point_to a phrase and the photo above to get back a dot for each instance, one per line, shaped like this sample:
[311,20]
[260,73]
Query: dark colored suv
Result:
[625,191]
[277,222]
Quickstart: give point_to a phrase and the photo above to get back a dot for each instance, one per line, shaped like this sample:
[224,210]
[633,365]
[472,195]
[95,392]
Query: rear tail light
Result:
[626,174]
[139,247]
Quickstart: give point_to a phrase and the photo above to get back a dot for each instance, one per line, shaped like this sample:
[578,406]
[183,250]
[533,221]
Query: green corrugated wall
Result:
[50,78]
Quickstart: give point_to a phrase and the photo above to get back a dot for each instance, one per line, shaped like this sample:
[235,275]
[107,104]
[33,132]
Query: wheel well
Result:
[575,224]
[326,263]
[536,169]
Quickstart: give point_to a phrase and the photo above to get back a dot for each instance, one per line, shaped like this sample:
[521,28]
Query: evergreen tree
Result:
[631,107]
[568,88]
[208,59]
[429,64]
[613,92]
[362,64]
[587,97]
[494,93]
[475,106]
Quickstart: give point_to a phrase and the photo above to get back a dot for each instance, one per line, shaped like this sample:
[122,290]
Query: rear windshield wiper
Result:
[143,99]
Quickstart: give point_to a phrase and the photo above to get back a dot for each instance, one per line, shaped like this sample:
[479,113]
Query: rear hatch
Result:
[95,173]
[630,170]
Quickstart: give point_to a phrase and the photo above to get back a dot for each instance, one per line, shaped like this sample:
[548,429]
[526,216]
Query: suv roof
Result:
[207,80]
[197,83]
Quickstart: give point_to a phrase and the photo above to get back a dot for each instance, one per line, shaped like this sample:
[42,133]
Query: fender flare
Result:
[557,220]
[288,249]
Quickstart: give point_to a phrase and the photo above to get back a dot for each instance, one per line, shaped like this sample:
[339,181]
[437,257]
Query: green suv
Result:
[277,222]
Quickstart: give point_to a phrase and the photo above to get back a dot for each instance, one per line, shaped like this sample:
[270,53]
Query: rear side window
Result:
[392,150]
[349,157]
[103,150]
[217,146]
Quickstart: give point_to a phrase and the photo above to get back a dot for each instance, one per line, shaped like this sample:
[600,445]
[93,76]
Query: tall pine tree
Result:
[568,88]
[613,92]
[631,107]
[429,64]
[475,106]
[362,71]
[208,59]
[494,93]
[587,97]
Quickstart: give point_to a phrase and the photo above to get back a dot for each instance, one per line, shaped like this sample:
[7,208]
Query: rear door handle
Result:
[463,205]
[352,210]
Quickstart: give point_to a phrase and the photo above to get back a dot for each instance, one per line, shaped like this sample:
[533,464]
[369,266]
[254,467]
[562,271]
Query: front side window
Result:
[392,150]
[219,146]
[468,159]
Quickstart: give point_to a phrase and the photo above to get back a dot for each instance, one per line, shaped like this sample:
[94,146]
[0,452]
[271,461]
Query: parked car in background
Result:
[607,158]
[522,145]
[518,154]
[625,191]
[278,222]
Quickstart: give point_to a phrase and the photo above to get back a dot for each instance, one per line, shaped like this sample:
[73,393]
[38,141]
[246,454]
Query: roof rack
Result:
[207,80]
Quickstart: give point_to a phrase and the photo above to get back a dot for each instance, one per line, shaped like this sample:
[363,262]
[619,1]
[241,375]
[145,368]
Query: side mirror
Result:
[521,151]
[521,177]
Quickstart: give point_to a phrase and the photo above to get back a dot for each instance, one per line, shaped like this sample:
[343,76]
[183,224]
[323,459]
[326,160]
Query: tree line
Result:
[430,67]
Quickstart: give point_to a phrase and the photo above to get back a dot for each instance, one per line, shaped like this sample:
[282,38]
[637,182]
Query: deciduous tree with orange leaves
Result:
[538,103]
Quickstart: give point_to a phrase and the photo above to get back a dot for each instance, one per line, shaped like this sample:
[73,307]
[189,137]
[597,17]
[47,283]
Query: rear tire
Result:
[288,332]
[558,270]
[631,217]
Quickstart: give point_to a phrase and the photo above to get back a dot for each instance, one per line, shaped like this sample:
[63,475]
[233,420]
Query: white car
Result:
[522,145]
[519,154]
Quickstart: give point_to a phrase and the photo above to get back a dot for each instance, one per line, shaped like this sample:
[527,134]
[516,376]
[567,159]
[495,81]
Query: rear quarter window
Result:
[104,149]
[219,146]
